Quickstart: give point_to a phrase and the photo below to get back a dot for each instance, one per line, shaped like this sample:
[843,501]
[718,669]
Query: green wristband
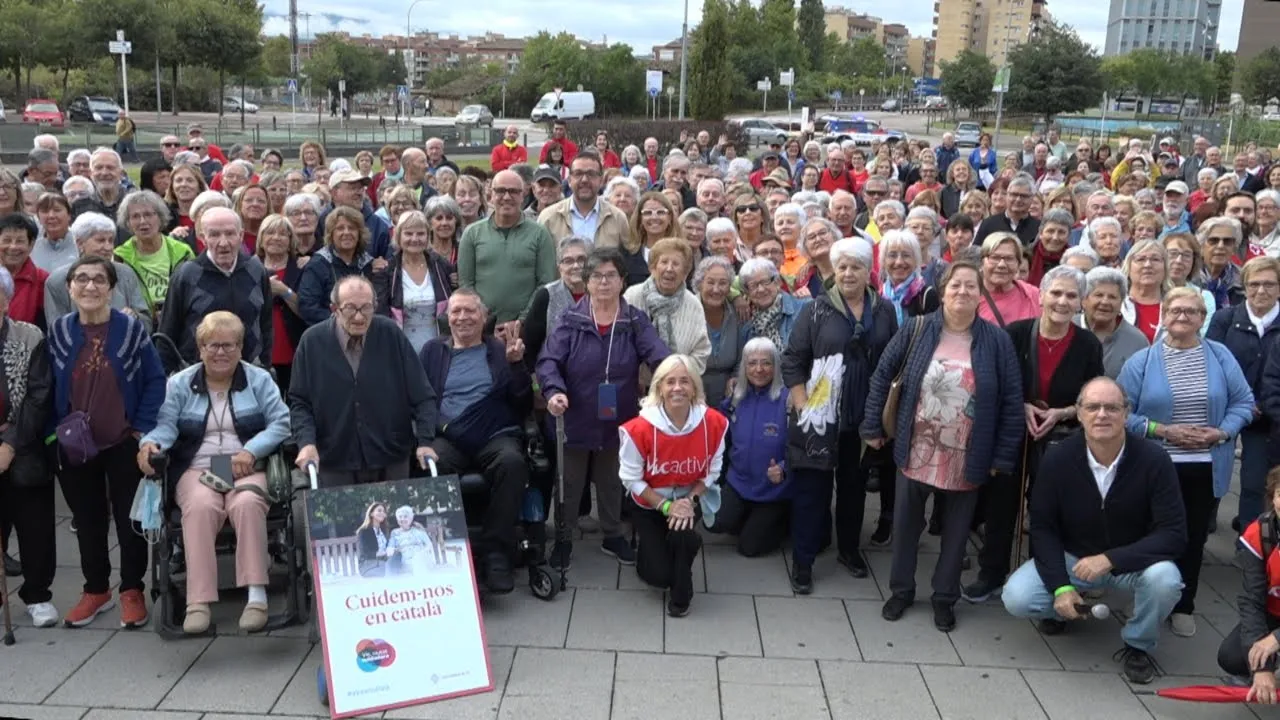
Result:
[665,508]
[1064,589]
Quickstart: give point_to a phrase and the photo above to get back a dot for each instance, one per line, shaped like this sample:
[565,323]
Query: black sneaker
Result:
[676,610]
[883,534]
[802,579]
[894,607]
[1139,667]
[12,568]
[854,563]
[618,547]
[561,556]
[944,616]
[497,574]
[74,529]
[1050,626]
[979,590]
[935,524]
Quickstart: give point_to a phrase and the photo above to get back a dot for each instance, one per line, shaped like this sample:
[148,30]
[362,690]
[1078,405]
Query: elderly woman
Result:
[469,194]
[10,192]
[95,234]
[589,372]
[54,246]
[550,301]
[278,253]
[1106,293]
[303,213]
[1080,258]
[787,221]
[17,236]
[959,423]
[1146,268]
[673,310]
[755,499]
[221,419]
[751,216]
[712,282]
[414,290]
[1105,239]
[344,253]
[1056,358]
[903,284]
[277,190]
[977,205]
[816,238]
[1249,330]
[694,224]
[312,154]
[722,241]
[1145,225]
[1268,219]
[253,205]
[1050,244]
[827,365]
[655,220]
[924,224]
[1005,298]
[773,312]
[26,483]
[108,387]
[1219,237]
[665,482]
[1204,188]
[1185,263]
[295,180]
[445,217]
[888,215]
[1190,394]
[624,194]
[151,254]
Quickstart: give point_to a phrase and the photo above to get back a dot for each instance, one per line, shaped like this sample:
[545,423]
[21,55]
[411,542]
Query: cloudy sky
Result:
[640,23]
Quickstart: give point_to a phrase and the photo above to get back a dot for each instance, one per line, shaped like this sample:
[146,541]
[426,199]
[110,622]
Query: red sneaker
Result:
[91,605]
[133,609]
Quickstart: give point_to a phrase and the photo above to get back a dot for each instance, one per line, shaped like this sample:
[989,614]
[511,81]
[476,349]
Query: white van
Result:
[568,106]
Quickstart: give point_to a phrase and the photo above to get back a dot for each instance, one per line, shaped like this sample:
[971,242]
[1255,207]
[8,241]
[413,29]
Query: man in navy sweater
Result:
[1106,512]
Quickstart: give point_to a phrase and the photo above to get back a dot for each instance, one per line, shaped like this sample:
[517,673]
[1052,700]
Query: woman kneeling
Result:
[668,458]
[220,413]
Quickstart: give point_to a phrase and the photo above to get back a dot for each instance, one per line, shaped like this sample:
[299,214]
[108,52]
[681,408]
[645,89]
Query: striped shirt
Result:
[1189,385]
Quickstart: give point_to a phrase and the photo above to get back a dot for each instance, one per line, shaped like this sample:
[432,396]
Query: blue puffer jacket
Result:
[257,413]
[136,364]
[998,420]
[322,272]
[758,430]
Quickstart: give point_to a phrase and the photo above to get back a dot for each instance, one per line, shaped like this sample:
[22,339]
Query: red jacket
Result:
[611,159]
[570,150]
[504,157]
[827,182]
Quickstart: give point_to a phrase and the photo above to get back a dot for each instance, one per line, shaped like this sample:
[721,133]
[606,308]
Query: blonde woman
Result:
[278,251]
[313,157]
[416,285]
[654,220]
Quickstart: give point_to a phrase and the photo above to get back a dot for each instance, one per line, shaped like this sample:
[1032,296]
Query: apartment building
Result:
[425,52]
[990,27]
[1186,27]
[1259,29]
[920,57]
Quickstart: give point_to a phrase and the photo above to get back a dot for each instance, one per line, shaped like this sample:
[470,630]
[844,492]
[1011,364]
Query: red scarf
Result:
[1040,263]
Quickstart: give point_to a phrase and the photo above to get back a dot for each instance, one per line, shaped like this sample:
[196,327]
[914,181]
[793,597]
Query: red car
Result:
[43,112]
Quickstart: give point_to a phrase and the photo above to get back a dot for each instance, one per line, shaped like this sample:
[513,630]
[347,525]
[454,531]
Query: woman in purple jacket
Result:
[755,500]
[589,371]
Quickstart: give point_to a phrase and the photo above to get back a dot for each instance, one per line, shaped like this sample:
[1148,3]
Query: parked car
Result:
[42,111]
[233,104]
[861,130]
[475,116]
[967,134]
[761,132]
[935,102]
[891,105]
[94,109]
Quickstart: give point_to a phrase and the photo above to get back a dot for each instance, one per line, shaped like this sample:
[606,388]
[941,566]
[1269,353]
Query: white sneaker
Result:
[1183,624]
[43,615]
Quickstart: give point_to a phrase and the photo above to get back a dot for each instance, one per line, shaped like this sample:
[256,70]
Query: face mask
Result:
[146,509]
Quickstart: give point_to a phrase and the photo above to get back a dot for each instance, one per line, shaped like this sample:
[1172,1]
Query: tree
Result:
[1224,67]
[968,79]
[711,77]
[333,60]
[863,57]
[1260,78]
[277,57]
[782,44]
[1054,73]
[811,31]
[223,35]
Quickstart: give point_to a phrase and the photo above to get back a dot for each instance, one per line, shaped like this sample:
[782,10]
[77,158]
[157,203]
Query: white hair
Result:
[756,266]
[79,155]
[790,208]
[90,224]
[720,226]
[759,346]
[1207,172]
[46,140]
[854,248]
[615,182]
[106,151]
[899,239]
[637,172]
[404,512]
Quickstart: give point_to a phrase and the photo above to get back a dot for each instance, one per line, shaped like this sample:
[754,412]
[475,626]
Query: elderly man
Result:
[506,256]
[675,176]
[234,176]
[836,176]
[42,168]
[711,198]
[769,162]
[359,401]
[560,136]
[586,214]
[843,210]
[1174,209]
[547,190]
[95,235]
[1098,203]
[224,277]
[78,163]
[50,142]
[1057,148]
[1039,164]
[1106,513]
[1028,149]
[946,153]
[485,394]
[874,191]
[435,156]
[508,152]
[107,170]
[170,146]
[1213,159]
[1017,216]
[1195,162]
[652,162]
[195,131]
[78,188]
[347,188]
[1084,154]
[414,162]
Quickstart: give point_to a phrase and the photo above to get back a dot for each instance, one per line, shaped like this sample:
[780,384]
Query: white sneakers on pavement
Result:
[43,615]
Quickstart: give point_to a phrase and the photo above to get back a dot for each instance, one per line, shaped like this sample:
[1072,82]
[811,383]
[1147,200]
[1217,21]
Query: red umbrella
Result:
[1206,693]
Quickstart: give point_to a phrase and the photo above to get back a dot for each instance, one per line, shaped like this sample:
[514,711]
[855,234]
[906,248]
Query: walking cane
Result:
[1022,507]
[8,620]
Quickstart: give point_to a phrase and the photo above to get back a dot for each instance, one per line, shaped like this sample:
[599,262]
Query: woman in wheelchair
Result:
[220,421]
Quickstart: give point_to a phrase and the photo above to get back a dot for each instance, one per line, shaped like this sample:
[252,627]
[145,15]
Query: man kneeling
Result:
[1122,530]
[485,392]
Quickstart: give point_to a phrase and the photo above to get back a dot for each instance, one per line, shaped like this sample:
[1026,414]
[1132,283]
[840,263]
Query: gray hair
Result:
[404,512]
[28,186]
[142,197]
[759,346]
[1267,194]
[640,171]
[928,214]
[1206,172]
[106,151]
[804,197]
[1081,251]
[899,238]
[41,155]
[831,227]
[342,282]
[1208,226]
[705,265]
[1057,216]
[854,248]
[790,208]
[185,157]
[1146,193]
[1063,272]
[1143,246]
[739,169]
[720,226]
[1106,276]
[694,213]
[45,139]
[83,182]
[444,204]
[756,266]
[467,292]
[89,224]
[241,165]
[717,181]
[1106,221]
[1023,180]
[205,200]
[571,241]
[893,205]
[625,181]
[271,177]
[296,202]
[78,155]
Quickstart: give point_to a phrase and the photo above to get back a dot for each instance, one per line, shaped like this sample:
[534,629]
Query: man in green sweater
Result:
[506,256]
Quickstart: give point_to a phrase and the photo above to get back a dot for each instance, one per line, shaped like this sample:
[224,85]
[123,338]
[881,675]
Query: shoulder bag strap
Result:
[915,335]
[994,310]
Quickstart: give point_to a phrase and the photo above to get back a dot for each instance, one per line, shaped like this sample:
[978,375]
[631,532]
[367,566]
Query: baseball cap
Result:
[347,176]
[546,172]
[195,127]
[1168,160]
[779,177]
[770,154]
[1177,186]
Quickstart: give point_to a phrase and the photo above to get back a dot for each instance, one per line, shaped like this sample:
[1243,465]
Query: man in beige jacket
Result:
[584,213]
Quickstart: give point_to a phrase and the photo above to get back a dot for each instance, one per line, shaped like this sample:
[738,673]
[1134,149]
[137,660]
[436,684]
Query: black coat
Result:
[1232,327]
[30,423]
[294,325]
[950,198]
[389,290]
[1028,230]
[1081,363]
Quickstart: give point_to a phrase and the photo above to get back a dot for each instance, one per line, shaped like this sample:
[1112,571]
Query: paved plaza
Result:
[605,650]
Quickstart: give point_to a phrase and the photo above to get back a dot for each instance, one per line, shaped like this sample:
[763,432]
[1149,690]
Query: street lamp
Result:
[408,35]
[684,58]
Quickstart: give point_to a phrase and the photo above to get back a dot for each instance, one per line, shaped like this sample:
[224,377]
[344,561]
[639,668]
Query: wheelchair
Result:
[286,549]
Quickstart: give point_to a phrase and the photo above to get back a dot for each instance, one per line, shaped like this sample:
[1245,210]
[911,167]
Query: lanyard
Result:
[612,326]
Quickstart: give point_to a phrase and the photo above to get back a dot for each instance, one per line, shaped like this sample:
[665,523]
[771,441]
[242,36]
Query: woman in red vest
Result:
[669,459]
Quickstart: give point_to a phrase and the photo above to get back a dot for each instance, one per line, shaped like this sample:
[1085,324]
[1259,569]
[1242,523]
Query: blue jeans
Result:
[1253,476]
[1155,591]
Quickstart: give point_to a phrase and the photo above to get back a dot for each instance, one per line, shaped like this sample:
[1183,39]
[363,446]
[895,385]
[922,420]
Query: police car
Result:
[861,130]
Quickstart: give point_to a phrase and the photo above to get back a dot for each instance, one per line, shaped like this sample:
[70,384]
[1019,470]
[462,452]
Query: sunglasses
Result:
[172,144]
[753,207]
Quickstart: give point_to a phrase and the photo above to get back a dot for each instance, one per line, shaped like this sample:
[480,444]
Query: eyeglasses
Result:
[221,348]
[507,191]
[760,284]
[654,213]
[86,280]
[350,311]
[302,213]
[1148,260]
[1211,240]
[604,277]
[195,147]
[1019,195]
[1095,408]
[753,207]
[171,144]
[1181,255]
[898,255]
[1004,259]
[1185,312]
[1256,285]
[875,193]
[574,260]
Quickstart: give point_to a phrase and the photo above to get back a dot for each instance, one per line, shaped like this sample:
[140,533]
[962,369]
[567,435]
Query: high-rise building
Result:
[850,26]
[990,27]
[1185,27]
[1259,28]
[920,54]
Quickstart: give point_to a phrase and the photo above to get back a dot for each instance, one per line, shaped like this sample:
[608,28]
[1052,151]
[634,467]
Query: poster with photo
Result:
[396,597]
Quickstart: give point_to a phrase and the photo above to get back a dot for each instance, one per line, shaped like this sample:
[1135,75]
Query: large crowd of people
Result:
[722,340]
